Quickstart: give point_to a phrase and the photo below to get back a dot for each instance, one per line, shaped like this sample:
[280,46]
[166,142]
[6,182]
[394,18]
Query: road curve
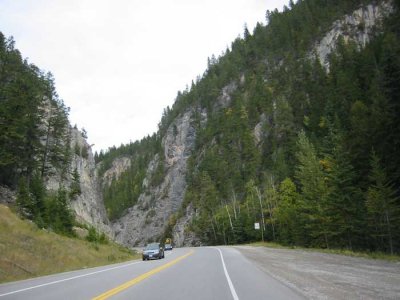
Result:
[185,273]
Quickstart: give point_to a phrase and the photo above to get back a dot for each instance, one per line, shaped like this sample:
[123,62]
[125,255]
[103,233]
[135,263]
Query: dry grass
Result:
[27,251]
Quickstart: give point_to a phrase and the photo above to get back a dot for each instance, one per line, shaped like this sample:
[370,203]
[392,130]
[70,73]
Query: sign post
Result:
[257,227]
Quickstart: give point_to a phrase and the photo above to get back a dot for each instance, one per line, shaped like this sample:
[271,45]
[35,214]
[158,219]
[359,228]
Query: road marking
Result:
[231,287]
[67,279]
[140,278]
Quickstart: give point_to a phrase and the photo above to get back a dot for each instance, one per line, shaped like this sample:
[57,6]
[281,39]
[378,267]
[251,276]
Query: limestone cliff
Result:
[119,165]
[147,220]
[88,206]
[358,27]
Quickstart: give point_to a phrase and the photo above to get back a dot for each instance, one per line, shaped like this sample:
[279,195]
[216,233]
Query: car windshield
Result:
[151,247]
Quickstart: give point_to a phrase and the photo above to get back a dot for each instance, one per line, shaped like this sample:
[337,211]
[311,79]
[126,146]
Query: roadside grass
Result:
[27,251]
[369,255]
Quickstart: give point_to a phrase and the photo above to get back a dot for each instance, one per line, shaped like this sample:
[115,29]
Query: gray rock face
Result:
[181,235]
[225,99]
[89,205]
[119,165]
[357,27]
[7,196]
[258,130]
[147,220]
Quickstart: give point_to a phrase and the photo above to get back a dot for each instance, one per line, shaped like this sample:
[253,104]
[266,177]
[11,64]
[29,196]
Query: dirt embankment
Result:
[328,276]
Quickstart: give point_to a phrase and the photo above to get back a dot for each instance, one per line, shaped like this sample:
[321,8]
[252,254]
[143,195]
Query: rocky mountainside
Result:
[88,205]
[170,208]
[146,220]
[357,27]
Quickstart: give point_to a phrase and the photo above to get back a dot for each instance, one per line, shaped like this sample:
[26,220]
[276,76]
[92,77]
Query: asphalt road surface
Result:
[185,273]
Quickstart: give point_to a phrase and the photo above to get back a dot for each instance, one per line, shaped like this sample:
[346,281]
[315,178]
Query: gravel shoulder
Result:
[328,276]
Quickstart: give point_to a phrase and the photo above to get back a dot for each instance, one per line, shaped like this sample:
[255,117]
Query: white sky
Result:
[118,63]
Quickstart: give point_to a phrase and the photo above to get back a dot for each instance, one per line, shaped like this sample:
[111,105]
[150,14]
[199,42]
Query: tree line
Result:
[34,139]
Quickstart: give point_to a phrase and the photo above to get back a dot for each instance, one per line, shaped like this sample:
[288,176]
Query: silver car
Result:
[153,251]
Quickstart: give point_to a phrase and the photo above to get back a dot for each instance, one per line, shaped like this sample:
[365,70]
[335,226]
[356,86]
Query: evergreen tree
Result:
[382,203]
[33,120]
[24,201]
[314,191]
[75,188]
[38,195]
[58,216]
[288,214]
[344,199]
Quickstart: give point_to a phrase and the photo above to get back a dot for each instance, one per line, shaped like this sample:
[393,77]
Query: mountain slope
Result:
[42,157]
[286,129]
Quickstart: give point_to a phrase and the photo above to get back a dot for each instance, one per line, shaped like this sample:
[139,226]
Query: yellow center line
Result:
[138,279]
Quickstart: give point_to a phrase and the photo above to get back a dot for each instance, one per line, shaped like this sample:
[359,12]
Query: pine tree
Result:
[344,199]
[287,213]
[58,216]
[383,207]
[38,195]
[75,188]
[24,201]
[314,191]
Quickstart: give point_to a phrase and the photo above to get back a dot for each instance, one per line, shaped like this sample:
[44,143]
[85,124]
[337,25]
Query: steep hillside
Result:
[43,159]
[88,203]
[27,251]
[147,219]
[294,127]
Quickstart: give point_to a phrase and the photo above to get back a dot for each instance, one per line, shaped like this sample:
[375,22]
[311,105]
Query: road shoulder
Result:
[319,275]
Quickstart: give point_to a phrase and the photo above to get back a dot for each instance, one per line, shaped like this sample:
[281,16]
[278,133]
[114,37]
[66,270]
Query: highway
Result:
[185,273]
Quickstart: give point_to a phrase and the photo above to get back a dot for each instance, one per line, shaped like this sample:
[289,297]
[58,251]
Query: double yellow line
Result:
[138,279]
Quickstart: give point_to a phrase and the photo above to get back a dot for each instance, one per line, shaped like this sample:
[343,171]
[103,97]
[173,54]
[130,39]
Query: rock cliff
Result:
[119,165]
[147,220]
[357,27]
[88,205]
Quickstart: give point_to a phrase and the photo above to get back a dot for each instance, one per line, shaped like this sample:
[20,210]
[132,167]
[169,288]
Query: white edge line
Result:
[66,279]
[231,287]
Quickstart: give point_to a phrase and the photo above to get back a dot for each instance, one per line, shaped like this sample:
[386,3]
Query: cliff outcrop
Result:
[147,220]
[88,205]
[358,27]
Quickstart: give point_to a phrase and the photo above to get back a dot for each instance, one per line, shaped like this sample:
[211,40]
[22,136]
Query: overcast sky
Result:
[118,63]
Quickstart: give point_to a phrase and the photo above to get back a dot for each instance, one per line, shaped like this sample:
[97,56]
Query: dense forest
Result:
[34,139]
[324,170]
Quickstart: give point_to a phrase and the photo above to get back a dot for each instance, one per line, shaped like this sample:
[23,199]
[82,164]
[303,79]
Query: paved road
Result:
[185,273]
